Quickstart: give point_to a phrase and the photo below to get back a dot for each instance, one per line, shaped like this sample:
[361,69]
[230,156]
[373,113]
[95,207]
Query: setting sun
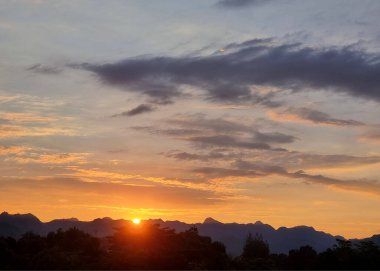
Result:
[136,221]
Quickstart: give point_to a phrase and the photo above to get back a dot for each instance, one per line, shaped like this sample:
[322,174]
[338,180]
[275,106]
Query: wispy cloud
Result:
[5,99]
[140,109]
[253,170]
[25,117]
[78,190]
[39,68]
[14,150]
[229,142]
[371,136]
[310,116]
[52,159]
[9,131]
[367,186]
[116,176]
[240,3]
[220,132]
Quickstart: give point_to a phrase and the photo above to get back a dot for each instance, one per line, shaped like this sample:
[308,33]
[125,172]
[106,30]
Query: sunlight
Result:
[136,220]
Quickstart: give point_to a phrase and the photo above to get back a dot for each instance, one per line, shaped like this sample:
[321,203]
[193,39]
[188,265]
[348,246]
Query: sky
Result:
[242,110]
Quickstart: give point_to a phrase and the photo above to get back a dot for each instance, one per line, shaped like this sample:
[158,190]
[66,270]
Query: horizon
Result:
[182,221]
[191,109]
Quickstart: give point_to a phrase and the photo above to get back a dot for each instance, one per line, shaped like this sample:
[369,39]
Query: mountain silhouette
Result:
[233,235]
[210,220]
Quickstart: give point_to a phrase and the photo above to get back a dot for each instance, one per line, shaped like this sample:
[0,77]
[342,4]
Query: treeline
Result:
[148,246]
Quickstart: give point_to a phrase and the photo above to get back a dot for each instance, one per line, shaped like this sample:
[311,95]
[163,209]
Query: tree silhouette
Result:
[255,247]
[304,258]
[147,246]
[255,254]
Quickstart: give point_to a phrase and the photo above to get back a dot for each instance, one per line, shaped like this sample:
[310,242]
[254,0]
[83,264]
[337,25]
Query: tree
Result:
[255,254]
[255,247]
[304,258]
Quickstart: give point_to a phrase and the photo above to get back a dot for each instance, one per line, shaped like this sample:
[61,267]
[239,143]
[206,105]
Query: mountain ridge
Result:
[233,235]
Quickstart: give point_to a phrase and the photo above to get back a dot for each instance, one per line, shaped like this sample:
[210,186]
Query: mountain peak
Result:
[210,220]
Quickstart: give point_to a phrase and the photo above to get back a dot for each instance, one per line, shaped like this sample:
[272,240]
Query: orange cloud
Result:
[21,131]
[25,117]
[310,117]
[286,117]
[64,158]
[372,136]
[204,186]
[15,150]
[5,99]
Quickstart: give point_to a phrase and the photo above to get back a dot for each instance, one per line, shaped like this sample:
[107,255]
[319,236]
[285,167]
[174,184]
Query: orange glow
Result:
[136,221]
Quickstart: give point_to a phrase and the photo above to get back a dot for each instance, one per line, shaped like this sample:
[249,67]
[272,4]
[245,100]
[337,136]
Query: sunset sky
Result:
[235,109]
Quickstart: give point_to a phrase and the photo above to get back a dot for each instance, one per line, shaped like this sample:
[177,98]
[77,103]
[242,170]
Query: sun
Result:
[136,220]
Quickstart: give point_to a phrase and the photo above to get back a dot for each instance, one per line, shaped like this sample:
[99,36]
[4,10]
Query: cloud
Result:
[283,159]
[310,116]
[6,99]
[229,142]
[25,117]
[274,137]
[117,177]
[27,155]
[308,160]
[372,187]
[214,172]
[79,190]
[20,131]
[198,124]
[52,159]
[240,3]
[176,132]
[247,169]
[142,108]
[218,125]
[220,133]
[366,186]
[13,150]
[39,68]
[231,75]
[213,155]
[372,136]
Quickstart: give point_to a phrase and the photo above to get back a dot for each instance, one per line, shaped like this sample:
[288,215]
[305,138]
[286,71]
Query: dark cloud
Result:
[230,126]
[142,108]
[305,160]
[39,68]
[274,137]
[214,172]
[318,117]
[218,125]
[213,155]
[285,159]
[240,3]
[218,133]
[229,142]
[168,131]
[367,186]
[230,75]
[264,169]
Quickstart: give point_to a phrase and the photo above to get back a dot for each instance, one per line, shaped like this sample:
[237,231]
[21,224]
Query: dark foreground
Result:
[148,246]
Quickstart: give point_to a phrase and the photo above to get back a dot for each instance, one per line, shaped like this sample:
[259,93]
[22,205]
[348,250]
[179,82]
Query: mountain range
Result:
[233,235]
